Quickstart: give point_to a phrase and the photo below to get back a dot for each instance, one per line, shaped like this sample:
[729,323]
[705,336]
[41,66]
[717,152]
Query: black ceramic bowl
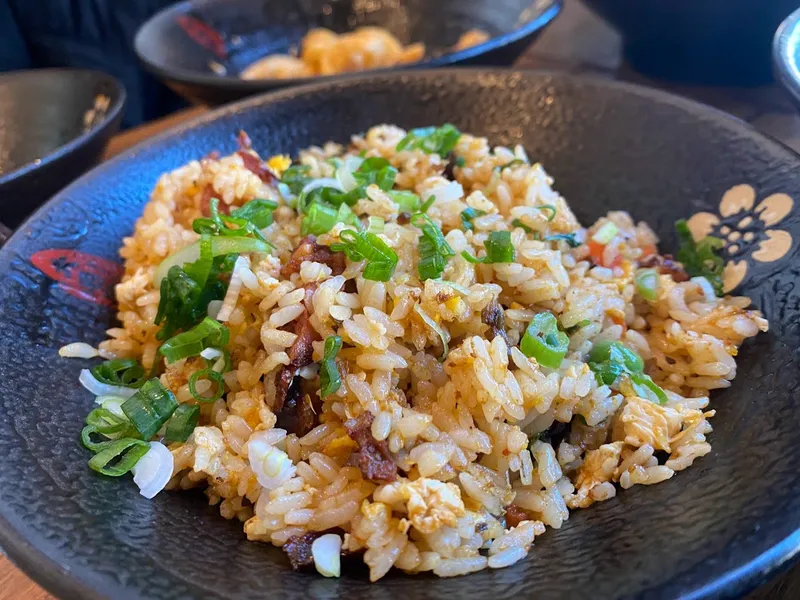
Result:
[191,44]
[53,128]
[698,41]
[786,55]
[715,530]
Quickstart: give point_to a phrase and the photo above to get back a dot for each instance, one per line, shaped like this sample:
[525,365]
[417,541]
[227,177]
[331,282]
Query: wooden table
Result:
[577,42]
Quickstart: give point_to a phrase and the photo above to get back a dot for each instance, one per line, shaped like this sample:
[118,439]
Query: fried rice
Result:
[445,448]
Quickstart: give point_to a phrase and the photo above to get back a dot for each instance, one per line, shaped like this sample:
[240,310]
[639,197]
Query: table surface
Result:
[577,42]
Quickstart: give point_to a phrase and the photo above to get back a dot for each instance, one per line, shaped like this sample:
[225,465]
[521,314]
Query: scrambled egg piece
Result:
[431,504]
[279,163]
[646,422]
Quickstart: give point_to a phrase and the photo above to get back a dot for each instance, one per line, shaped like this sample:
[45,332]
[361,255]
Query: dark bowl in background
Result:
[46,137]
[786,55]
[188,45]
[724,42]
[715,530]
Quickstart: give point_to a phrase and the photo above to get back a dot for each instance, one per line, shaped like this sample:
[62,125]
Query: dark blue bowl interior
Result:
[715,530]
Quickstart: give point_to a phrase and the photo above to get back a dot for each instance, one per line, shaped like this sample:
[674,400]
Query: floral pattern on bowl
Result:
[748,233]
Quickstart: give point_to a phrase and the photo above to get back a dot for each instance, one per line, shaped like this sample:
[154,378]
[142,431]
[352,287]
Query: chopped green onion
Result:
[149,408]
[646,281]
[460,161]
[362,245]
[212,376]
[700,259]
[646,388]
[329,378]
[468,214]
[89,443]
[182,423]
[427,204]
[570,238]
[106,422]
[616,352]
[124,372]
[436,329]
[220,225]
[206,334]
[544,342]
[375,224]
[346,215]
[220,246]
[498,249]
[611,360]
[257,211]
[296,177]
[440,140]
[407,201]
[124,454]
[433,248]
[319,219]
[606,233]
[521,225]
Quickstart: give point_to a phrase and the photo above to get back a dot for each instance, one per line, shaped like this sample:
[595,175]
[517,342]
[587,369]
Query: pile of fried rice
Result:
[445,448]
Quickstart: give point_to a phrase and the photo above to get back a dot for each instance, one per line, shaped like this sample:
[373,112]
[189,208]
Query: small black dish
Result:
[54,126]
[199,47]
[786,55]
[713,531]
[722,42]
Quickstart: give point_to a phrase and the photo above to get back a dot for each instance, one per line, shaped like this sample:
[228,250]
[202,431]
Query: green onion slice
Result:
[440,140]
[296,177]
[407,201]
[468,214]
[206,334]
[330,379]
[320,218]
[427,204]
[433,248]
[106,422]
[87,441]
[182,423]
[213,376]
[220,246]
[257,211]
[646,282]
[375,224]
[616,352]
[544,342]
[149,408]
[118,457]
[381,260]
[123,372]
[498,249]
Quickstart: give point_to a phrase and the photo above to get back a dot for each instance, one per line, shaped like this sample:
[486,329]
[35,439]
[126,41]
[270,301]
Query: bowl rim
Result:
[112,114]
[64,581]
[785,50]
[543,16]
